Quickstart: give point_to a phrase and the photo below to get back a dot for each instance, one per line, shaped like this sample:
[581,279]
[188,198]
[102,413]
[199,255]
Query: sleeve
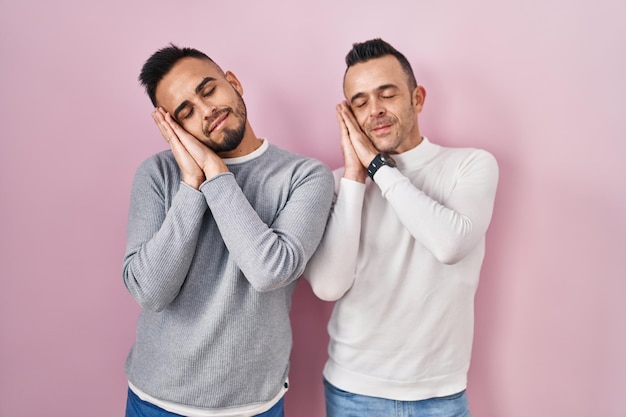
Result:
[448,229]
[161,240]
[330,272]
[272,255]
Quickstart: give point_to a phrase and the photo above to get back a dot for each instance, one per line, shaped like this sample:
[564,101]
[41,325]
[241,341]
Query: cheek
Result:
[409,117]
[195,127]
[361,117]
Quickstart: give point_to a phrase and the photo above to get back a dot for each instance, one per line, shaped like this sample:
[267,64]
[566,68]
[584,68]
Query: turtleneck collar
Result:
[418,156]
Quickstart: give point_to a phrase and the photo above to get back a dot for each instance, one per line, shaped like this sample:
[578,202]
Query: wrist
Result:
[378,161]
[193,182]
[355,174]
[214,169]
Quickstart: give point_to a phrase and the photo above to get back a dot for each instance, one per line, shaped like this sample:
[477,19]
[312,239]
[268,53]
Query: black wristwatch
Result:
[378,161]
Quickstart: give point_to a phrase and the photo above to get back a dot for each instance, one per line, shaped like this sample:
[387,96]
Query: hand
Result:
[191,171]
[353,169]
[196,161]
[358,150]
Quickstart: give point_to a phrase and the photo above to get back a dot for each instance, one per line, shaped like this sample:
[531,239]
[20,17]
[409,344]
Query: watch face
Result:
[387,160]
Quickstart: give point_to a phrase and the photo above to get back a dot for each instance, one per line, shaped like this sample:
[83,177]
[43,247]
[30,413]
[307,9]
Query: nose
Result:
[376,108]
[207,110]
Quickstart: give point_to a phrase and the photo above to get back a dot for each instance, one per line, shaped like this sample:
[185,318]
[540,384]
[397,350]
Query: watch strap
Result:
[378,161]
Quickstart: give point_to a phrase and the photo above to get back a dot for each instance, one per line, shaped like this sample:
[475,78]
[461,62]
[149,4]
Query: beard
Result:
[232,137]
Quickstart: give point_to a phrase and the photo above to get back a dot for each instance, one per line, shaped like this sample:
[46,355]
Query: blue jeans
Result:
[341,403]
[136,407]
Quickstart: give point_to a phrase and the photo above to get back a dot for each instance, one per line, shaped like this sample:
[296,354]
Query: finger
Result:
[345,140]
[343,129]
[173,132]
[157,122]
[180,153]
[166,131]
[362,146]
[187,164]
[350,157]
[349,120]
[198,150]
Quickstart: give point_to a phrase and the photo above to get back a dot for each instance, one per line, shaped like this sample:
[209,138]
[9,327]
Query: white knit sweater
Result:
[402,257]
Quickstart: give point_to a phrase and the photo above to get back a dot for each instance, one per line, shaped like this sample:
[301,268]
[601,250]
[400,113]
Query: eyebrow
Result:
[199,88]
[203,83]
[378,90]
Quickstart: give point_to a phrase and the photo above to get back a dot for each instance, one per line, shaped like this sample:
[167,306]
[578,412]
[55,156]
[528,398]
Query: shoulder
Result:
[158,160]
[468,156]
[297,172]
[473,165]
[298,163]
[159,167]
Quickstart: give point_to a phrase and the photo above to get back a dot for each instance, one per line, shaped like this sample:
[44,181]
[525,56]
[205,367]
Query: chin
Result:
[386,147]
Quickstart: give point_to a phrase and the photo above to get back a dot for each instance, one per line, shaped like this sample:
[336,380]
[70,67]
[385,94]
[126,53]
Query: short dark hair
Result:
[161,62]
[377,48]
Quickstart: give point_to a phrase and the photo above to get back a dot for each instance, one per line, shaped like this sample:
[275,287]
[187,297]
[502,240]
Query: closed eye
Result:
[188,114]
[208,92]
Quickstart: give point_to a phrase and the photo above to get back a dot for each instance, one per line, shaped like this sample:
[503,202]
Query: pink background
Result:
[539,83]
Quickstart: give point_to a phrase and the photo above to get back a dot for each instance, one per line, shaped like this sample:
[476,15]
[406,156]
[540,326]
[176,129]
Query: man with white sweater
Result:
[402,250]
[220,228]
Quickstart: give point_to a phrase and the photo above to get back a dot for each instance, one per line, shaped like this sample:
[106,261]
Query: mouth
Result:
[380,129]
[219,121]
[381,125]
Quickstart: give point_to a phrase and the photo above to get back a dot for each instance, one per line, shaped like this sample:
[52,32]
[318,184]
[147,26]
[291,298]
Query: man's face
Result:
[386,109]
[206,102]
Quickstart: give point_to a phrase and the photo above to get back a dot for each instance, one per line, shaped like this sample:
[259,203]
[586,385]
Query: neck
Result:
[248,144]
[409,144]
[414,137]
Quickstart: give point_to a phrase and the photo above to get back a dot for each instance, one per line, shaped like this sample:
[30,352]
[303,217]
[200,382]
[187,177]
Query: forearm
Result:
[161,243]
[275,254]
[331,269]
[449,228]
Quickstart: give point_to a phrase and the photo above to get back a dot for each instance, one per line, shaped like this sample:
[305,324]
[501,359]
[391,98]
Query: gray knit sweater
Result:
[214,271]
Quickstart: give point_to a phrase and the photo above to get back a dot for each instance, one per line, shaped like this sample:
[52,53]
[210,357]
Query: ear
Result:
[419,96]
[232,79]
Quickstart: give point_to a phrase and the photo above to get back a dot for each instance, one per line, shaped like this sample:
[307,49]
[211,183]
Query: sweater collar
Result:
[418,156]
[253,155]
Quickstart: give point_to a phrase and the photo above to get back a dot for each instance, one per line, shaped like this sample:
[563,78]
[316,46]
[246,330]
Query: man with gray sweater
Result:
[220,228]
